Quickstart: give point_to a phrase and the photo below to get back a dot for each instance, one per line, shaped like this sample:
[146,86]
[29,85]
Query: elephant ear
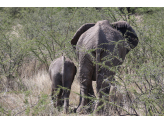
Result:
[127,31]
[80,31]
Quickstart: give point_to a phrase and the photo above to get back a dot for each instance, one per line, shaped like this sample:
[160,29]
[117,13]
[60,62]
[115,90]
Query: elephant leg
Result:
[56,93]
[66,101]
[66,94]
[90,93]
[99,94]
[56,98]
[90,90]
[59,99]
[92,96]
[103,89]
[85,81]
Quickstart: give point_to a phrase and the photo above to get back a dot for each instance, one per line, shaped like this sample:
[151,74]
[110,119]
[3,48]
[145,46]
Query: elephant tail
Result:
[63,70]
[97,62]
[98,52]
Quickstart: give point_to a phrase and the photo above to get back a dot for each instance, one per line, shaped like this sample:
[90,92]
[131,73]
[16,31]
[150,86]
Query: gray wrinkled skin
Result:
[110,44]
[56,73]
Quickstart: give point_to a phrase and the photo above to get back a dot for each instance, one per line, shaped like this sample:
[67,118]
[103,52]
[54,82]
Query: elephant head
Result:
[128,33]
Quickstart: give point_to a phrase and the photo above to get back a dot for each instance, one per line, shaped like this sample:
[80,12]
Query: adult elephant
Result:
[103,43]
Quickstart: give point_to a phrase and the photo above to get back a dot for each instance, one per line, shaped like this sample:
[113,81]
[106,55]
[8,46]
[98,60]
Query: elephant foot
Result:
[80,110]
[100,112]
[99,109]
[65,111]
[83,110]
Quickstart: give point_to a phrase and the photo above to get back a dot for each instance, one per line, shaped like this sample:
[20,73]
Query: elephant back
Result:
[104,37]
[101,35]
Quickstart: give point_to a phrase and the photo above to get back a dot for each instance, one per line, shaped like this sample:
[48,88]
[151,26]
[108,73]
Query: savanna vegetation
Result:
[30,38]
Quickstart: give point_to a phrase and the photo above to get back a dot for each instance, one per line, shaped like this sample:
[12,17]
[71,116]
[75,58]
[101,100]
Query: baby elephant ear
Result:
[80,31]
[127,31]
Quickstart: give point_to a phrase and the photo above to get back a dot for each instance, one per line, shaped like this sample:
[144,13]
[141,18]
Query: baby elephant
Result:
[62,74]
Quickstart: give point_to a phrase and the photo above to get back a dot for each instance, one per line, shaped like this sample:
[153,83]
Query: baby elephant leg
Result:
[56,96]
[66,93]
[66,101]
[56,93]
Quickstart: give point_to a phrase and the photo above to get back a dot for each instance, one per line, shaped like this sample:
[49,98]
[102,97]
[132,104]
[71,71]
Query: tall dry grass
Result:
[34,93]
[31,95]
[17,102]
[35,98]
